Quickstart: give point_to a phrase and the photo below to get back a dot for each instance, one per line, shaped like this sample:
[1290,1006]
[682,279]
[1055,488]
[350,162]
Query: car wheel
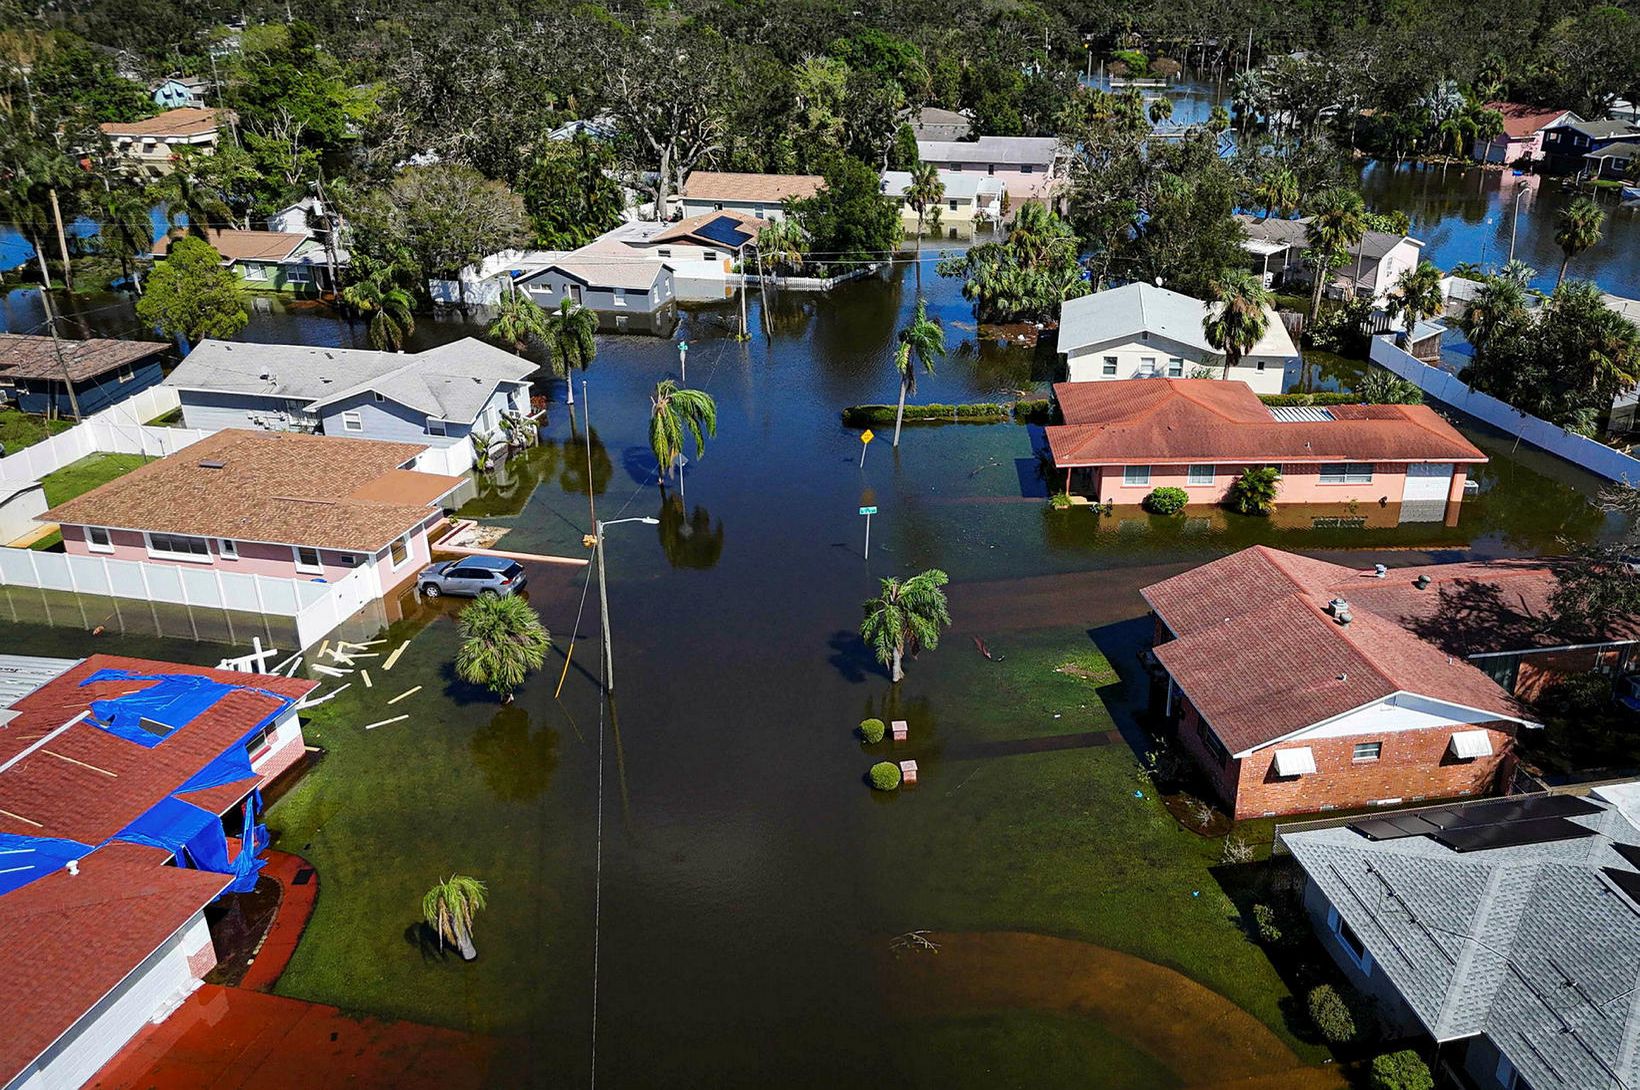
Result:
[488,592]
[430,590]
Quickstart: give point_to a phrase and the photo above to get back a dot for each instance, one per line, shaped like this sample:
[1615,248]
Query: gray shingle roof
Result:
[451,382]
[1125,312]
[1532,946]
[1013,150]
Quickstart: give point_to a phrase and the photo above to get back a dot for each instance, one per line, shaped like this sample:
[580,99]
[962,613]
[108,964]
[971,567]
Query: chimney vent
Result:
[212,463]
[1379,571]
[1343,616]
[1337,606]
[1421,582]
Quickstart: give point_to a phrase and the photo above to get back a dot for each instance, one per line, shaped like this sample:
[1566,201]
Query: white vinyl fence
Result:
[318,608]
[117,429]
[1444,386]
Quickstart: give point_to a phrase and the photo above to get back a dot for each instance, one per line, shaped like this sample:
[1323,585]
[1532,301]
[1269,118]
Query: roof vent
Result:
[1421,582]
[1336,606]
[1379,571]
[212,463]
[1344,616]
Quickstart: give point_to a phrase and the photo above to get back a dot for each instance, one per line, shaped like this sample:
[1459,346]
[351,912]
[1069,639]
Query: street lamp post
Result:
[603,595]
[1514,218]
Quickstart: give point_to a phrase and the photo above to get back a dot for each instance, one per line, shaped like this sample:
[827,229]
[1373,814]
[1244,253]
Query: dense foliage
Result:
[1331,1014]
[872,731]
[1403,1070]
[1166,500]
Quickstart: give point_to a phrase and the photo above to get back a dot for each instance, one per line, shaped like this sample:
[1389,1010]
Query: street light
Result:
[603,594]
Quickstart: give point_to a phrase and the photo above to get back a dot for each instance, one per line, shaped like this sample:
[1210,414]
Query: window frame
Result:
[1128,477]
[1112,365]
[400,542]
[1175,367]
[1214,745]
[435,426]
[91,544]
[1348,940]
[315,568]
[157,552]
[352,421]
[1191,473]
[227,548]
[1374,752]
[1344,473]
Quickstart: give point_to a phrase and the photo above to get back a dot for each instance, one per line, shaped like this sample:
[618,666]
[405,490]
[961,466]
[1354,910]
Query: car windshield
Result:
[512,571]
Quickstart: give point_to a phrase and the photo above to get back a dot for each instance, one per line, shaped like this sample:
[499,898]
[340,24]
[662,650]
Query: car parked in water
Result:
[471,577]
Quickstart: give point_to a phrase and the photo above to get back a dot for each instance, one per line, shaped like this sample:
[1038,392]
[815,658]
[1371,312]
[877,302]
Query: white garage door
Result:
[1428,481]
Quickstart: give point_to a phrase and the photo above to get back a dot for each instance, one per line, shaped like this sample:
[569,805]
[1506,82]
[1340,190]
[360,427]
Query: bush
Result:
[1267,921]
[872,730]
[981,412]
[1404,1070]
[1328,398]
[885,775]
[1331,1014]
[1380,387]
[1037,410]
[1254,492]
[1166,500]
[1060,500]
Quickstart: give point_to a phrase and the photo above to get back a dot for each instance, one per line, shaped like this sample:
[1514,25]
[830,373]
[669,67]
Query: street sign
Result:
[867,436]
[868,510]
[865,440]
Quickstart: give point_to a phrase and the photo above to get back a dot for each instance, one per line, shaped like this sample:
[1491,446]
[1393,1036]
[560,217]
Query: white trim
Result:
[409,551]
[1301,731]
[166,554]
[227,548]
[92,547]
[356,424]
[318,565]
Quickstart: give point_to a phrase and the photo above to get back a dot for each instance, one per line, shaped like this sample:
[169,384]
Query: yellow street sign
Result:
[867,436]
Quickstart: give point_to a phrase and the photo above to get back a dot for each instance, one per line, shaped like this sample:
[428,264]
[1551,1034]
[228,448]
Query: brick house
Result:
[1292,696]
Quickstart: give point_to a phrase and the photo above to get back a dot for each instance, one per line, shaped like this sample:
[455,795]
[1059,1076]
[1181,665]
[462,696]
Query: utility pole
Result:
[62,363]
[603,594]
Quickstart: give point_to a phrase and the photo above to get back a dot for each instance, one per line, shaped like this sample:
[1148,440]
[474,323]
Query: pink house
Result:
[1121,440]
[1522,137]
[280,504]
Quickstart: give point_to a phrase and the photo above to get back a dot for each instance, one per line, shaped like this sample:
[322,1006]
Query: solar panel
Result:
[1626,880]
[1513,834]
[1532,811]
[1532,806]
[724,230]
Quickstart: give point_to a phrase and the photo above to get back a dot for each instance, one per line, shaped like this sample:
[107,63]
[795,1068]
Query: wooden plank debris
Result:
[385,722]
[365,674]
[407,692]
[394,657]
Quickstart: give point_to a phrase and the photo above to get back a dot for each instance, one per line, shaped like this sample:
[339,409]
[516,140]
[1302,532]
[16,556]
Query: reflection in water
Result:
[575,474]
[689,542]
[517,762]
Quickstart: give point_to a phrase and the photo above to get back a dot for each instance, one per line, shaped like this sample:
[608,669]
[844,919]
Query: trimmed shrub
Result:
[1404,1070]
[1331,1014]
[872,730]
[1037,410]
[1267,921]
[1166,500]
[1033,410]
[885,776]
[1310,399]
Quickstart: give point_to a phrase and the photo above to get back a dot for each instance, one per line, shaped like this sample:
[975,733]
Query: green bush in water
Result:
[885,775]
[1166,500]
[1404,1070]
[1331,1014]
[872,730]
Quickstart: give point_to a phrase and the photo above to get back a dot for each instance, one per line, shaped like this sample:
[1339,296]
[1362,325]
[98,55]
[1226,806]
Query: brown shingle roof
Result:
[33,357]
[184,121]
[242,245]
[716,185]
[1521,120]
[685,229]
[279,487]
[1157,421]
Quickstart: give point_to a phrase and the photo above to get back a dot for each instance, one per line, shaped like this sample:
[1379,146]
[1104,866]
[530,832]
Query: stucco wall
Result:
[1300,484]
[551,287]
[255,558]
[764,210]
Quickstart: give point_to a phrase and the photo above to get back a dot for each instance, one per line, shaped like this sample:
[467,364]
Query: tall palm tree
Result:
[674,414]
[449,908]
[923,196]
[1499,304]
[923,341]
[389,307]
[907,616]
[185,197]
[1416,295]
[781,244]
[571,344]
[127,232]
[1160,111]
[1576,229]
[1337,222]
[1239,318]
[502,640]
[1278,192]
[518,321]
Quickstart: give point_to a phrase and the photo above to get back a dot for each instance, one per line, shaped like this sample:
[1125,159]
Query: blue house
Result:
[1569,145]
[438,397]
[102,371]
[178,91]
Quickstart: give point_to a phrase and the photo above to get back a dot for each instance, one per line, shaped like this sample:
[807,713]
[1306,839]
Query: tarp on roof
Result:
[148,716]
[196,838]
[25,858]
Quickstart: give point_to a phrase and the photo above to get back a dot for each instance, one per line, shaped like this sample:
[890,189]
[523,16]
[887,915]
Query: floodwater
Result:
[691,885]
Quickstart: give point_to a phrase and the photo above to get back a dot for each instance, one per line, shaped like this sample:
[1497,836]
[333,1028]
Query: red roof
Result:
[67,940]
[1155,421]
[1521,120]
[1260,657]
[87,784]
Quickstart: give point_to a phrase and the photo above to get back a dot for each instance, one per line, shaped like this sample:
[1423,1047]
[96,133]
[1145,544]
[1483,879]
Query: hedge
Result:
[885,776]
[1310,399]
[984,412]
[872,730]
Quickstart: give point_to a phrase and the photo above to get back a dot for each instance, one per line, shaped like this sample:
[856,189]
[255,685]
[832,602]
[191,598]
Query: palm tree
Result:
[1254,492]
[389,307]
[449,908]
[780,244]
[1218,119]
[906,617]
[1576,229]
[1278,193]
[570,342]
[1337,222]
[502,640]
[1161,110]
[518,321]
[923,341]
[923,196]
[674,413]
[1240,317]
[1499,304]
[186,197]
[127,231]
[1416,295]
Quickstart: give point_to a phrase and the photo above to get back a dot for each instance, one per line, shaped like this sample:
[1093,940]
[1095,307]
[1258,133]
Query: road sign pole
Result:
[868,537]
[865,441]
[862,455]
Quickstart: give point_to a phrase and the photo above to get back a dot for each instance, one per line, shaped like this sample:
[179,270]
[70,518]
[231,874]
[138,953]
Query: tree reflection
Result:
[517,762]
[573,475]
[689,542]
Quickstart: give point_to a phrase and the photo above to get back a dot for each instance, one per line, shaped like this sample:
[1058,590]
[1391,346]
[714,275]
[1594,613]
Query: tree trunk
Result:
[899,417]
[40,257]
[1320,284]
[1565,261]
[569,386]
[62,241]
[464,943]
[898,670]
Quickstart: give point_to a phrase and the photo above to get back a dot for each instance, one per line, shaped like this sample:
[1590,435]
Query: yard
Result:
[89,472]
[19,429]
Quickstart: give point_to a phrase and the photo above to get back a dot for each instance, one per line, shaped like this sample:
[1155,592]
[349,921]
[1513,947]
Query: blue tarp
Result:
[174,700]
[232,766]
[196,838]
[25,858]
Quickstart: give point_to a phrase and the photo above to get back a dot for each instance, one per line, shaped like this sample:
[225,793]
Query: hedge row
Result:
[985,412]
[1310,399]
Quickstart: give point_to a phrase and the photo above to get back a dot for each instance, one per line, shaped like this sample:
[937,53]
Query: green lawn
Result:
[82,476]
[20,429]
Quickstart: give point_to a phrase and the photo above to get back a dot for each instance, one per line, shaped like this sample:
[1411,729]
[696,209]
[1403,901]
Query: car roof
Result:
[495,563]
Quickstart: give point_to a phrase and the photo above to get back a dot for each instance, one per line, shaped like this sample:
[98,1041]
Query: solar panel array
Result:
[1473,827]
[725,231]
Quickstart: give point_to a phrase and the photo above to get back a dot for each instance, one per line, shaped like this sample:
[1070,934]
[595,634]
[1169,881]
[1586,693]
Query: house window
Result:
[663,252]
[435,426]
[1260,365]
[307,560]
[1199,475]
[718,206]
[299,274]
[953,203]
[179,547]
[620,297]
[352,421]
[1214,747]
[759,210]
[1109,367]
[1147,365]
[98,539]
[227,549]
[254,744]
[1026,168]
[380,397]
[1135,475]
[708,255]
[1349,940]
[1175,368]
[1367,751]
[126,374]
[399,551]
[253,271]
[1507,1076]
[1346,473]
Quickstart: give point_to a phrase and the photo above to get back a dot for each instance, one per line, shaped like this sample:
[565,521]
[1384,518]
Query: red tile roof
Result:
[67,940]
[87,784]
[1260,657]
[1155,421]
[1521,120]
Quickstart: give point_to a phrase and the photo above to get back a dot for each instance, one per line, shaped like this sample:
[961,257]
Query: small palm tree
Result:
[1576,229]
[518,321]
[923,196]
[674,413]
[502,640]
[389,307]
[781,245]
[1160,111]
[1381,387]
[449,908]
[1240,315]
[1337,222]
[907,616]
[1416,295]
[1499,304]
[571,344]
[1254,492]
[923,341]
[186,198]
[1278,192]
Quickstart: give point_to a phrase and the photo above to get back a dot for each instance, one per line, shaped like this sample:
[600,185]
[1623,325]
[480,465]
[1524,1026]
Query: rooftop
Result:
[1260,657]
[728,228]
[1121,314]
[450,382]
[716,185]
[1157,421]
[236,245]
[29,357]
[1294,232]
[1521,120]
[184,121]
[601,268]
[966,186]
[1011,150]
[1602,130]
[278,487]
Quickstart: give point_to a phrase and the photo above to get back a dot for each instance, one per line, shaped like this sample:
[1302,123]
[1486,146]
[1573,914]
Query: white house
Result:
[1371,268]
[968,197]
[1142,331]
[760,195]
[1027,166]
[701,251]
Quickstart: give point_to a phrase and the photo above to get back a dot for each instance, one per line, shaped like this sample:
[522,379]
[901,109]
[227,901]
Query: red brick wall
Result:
[1413,766]
[1222,775]
[202,961]
[1538,672]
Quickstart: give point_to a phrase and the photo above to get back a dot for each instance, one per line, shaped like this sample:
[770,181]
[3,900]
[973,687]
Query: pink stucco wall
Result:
[1299,484]
[255,558]
[420,555]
